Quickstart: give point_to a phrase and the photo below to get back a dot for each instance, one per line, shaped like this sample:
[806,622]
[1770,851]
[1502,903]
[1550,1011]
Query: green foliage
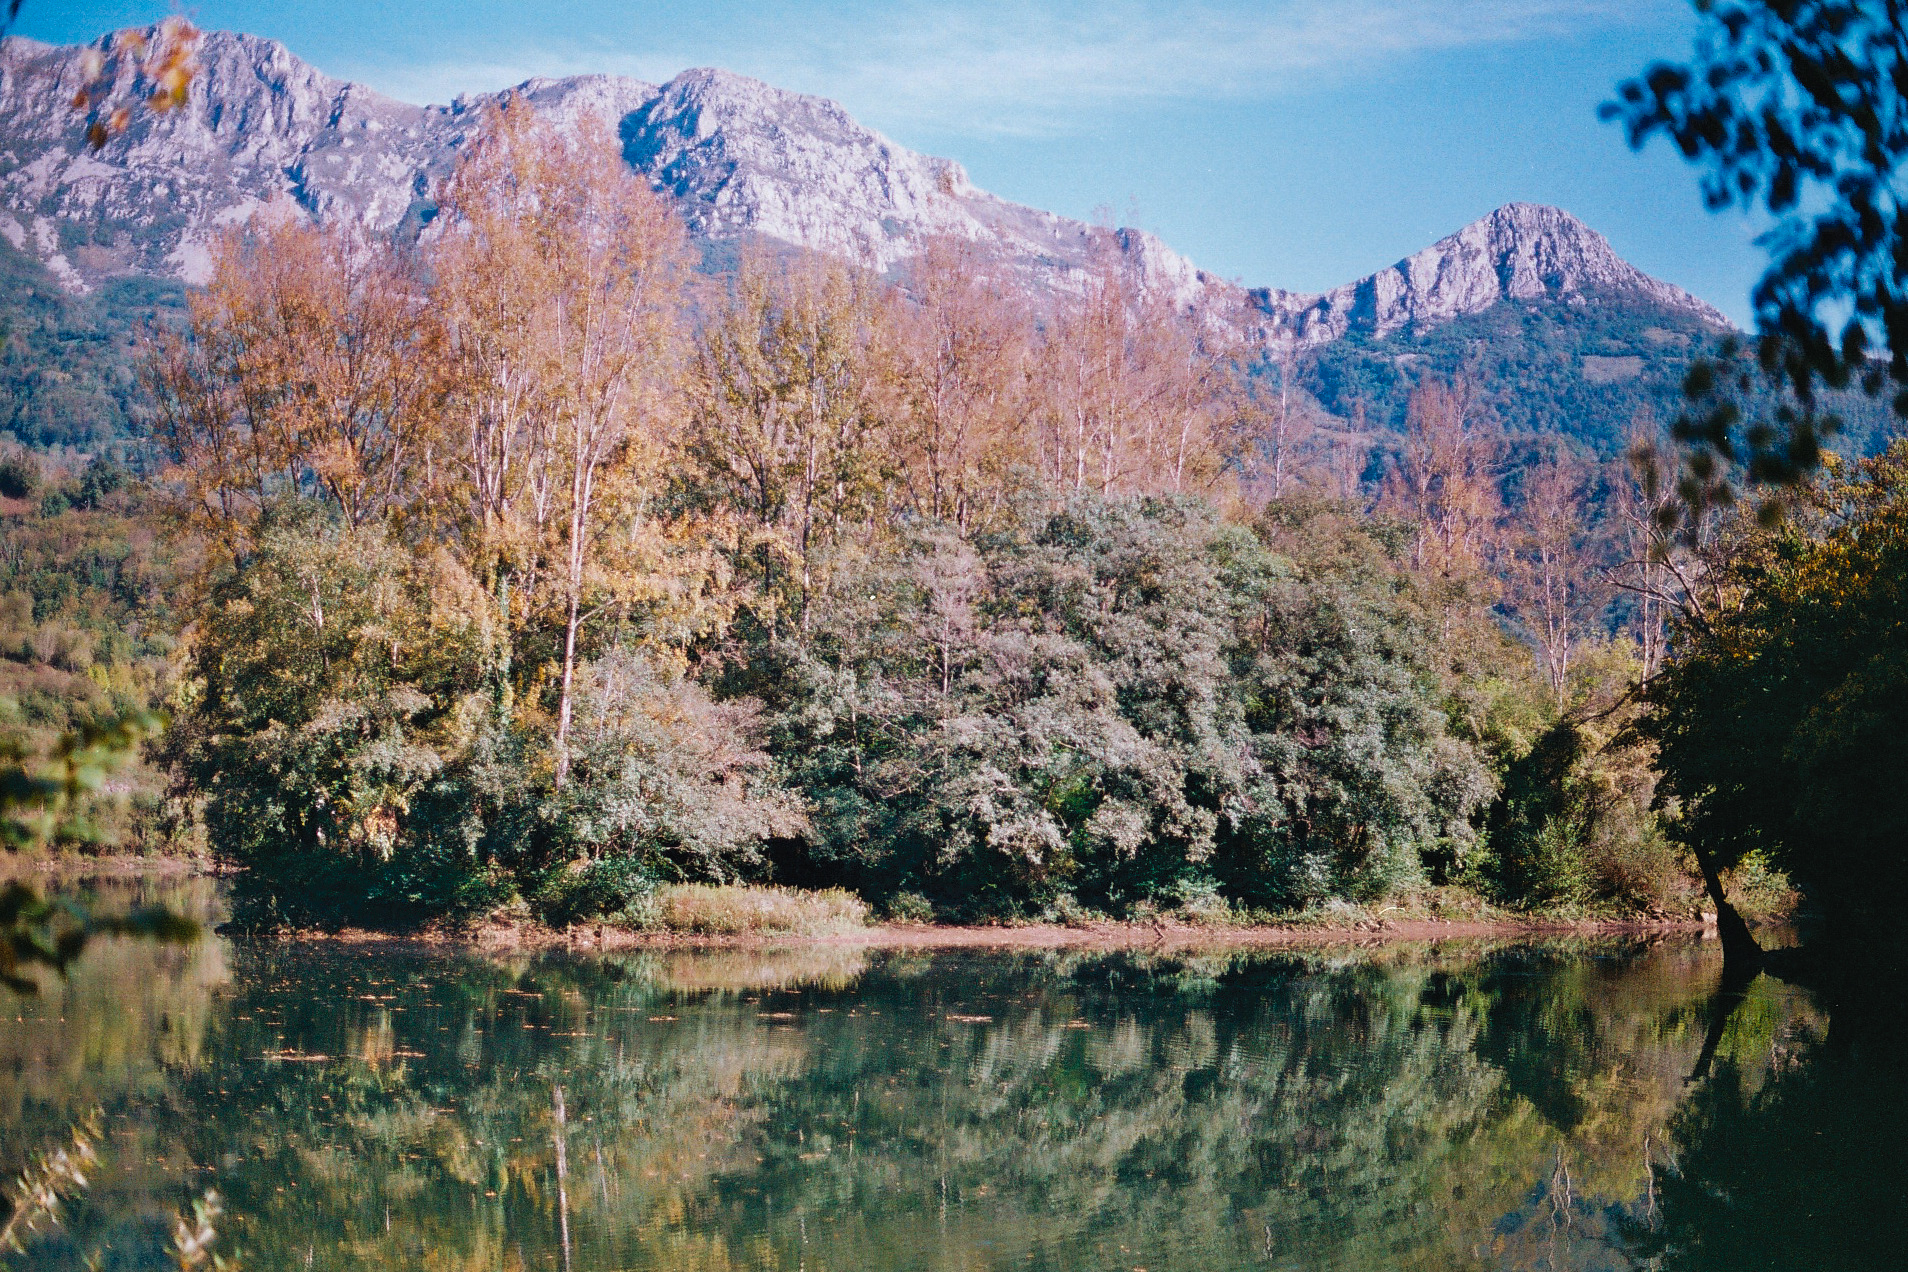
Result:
[42,801]
[79,673]
[333,680]
[19,477]
[663,774]
[85,607]
[69,367]
[1573,828]
[1784,726]
[1800,106]
[41,797]
[1541,370]
[345,728]
[1114,702]
[615,888]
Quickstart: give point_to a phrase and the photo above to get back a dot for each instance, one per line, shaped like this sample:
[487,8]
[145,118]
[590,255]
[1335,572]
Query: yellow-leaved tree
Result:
[788,390]
[561,280]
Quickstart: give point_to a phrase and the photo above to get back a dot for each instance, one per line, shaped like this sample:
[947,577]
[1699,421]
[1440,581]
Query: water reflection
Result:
[1514,1107]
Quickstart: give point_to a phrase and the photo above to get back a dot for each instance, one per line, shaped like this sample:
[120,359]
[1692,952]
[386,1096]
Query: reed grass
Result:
[737,910]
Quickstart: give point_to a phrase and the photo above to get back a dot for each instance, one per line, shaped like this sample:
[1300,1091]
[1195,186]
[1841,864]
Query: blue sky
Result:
[1294,143]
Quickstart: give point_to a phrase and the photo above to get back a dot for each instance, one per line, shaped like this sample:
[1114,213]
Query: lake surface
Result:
[1489,1106]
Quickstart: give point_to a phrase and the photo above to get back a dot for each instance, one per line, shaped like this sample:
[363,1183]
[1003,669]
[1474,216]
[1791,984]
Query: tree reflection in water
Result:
[1511,1107]
[1798,1166]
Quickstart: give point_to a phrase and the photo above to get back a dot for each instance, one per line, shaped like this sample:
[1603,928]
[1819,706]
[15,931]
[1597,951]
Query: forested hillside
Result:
[69,365]
[87,619]
[1582,372]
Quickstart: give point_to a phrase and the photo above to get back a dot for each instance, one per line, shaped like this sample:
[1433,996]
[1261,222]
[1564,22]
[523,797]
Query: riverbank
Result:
[1445,914]
[512,936]
[68,868]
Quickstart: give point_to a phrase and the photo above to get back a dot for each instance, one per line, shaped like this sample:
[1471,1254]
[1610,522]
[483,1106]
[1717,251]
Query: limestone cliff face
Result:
[741,158]
[260,128]
[263,129]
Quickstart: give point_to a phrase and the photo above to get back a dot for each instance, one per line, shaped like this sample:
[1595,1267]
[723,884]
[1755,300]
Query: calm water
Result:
[1482,1106]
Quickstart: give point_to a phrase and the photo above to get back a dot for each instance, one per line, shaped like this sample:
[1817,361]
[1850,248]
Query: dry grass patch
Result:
[737,910]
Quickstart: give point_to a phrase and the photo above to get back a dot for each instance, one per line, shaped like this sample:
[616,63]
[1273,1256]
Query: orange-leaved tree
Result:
[307,366]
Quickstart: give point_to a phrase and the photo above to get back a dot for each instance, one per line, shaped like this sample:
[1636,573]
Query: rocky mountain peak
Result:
[745,157]
[1521,251]
[264,129]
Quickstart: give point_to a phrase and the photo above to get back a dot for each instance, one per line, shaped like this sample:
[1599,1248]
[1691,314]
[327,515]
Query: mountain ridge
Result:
[739,158]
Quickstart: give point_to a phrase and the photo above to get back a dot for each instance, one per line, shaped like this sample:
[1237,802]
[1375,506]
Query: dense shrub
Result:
[334,677]
[102,478]
[1113,703]
[19,477]
[613,888]
[1573,827]
[663,774]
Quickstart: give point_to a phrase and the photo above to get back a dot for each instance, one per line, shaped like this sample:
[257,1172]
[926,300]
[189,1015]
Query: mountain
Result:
[1521,252]
[741,159]
[262,128]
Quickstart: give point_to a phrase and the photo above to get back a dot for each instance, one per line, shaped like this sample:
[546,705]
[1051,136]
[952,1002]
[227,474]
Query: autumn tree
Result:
[1133,391]
[307,367]
[786,398]
[569,270]
[1444,484]
[1682,565]
[1556,584]
[1278,426]
[1649,556]
[1780,723]
[961,362]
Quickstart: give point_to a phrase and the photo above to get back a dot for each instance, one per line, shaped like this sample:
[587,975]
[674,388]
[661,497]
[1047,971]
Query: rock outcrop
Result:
[1522,251]
[262,129]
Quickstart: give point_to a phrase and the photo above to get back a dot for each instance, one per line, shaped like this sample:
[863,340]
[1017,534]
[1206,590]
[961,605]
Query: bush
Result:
[19,477]
[663,774]
[1112,703]
[732,910]
[1573,828]
[335,681]
[619,889]
[910,907]
[103,477]
[346,729]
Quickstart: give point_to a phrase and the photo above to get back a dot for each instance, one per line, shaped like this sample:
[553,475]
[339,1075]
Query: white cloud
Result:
[1046,66]
[1038,67]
